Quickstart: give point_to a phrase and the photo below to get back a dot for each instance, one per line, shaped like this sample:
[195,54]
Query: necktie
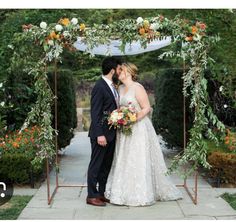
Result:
[116,95]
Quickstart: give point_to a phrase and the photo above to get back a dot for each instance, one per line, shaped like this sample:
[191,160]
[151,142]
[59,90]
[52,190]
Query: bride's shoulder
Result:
[138,85]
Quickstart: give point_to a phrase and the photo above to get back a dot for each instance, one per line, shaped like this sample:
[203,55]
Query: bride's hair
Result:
[132,69]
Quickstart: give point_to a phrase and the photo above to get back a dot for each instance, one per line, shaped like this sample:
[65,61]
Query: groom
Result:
[104,99]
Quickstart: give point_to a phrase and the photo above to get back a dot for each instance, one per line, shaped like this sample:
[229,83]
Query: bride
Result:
[137,176]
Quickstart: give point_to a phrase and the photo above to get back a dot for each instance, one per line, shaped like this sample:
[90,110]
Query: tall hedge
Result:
[20,94]
[168,108]
[66,105]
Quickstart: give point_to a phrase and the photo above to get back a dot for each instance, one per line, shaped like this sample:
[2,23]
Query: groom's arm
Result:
[97,110]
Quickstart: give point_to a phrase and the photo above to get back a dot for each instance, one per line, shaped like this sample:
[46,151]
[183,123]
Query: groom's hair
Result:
[110,63]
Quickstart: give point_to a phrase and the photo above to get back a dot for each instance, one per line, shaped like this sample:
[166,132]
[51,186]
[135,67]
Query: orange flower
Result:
[189,38]
[15,144]
[82,27]
[52,35]
[64,21]
[141,31]
[226,141]
[194,30]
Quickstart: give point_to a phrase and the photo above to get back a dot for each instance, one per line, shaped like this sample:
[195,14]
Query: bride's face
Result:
[123,75]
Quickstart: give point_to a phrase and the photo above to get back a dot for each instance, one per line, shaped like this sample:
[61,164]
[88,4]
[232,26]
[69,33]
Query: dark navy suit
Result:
[102,103]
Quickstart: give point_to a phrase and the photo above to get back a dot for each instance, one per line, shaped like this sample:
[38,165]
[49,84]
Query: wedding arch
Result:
[119,37]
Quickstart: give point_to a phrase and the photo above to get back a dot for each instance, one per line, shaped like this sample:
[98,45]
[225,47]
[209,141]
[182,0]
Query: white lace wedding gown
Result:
[137,176]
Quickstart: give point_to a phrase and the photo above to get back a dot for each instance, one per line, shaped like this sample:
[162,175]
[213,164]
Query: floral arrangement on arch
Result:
[55,37]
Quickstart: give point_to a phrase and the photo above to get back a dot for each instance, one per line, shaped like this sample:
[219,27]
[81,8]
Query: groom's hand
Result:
[102,140]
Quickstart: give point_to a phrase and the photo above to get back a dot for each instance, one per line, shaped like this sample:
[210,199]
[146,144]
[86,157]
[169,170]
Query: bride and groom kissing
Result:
[124,169]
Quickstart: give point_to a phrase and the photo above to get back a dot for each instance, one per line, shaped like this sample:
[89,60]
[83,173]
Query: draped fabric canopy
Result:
[130,49]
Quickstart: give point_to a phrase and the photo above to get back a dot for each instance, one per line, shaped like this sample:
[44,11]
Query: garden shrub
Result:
[168,109]
[17,150]
[18,169]
[223,166]
[66,106]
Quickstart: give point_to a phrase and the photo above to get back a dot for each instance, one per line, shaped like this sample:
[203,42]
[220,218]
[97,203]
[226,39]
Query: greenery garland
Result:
[194,45]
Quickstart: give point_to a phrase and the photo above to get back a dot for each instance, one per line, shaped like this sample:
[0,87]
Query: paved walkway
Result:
[69,203]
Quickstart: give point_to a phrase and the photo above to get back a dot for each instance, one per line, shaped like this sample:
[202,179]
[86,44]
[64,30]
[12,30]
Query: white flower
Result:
[10,46]
[1,84]
[225,106]
[58,28]
[154,26]
[74,21]
[139,20]
[2,103]
[197,37]
[50,42]
[114,117]
[66,33]
[43,25]
[221,88]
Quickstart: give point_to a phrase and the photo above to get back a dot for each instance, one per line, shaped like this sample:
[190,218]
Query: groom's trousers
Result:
[99,168]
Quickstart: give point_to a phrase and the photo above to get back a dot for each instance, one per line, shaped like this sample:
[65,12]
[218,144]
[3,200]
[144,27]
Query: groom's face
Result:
[115,77]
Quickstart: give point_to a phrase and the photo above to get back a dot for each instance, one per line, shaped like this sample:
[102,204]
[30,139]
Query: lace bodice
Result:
[129,96]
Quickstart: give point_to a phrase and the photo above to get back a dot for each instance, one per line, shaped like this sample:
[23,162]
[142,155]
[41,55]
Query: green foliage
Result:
[168,108]
[20,94]
[16,205]
[17,168]
[230,198]
[2,110]
[223,105]
[67,118]
[89,75]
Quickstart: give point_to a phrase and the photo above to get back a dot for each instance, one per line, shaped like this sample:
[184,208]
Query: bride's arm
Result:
[142,98]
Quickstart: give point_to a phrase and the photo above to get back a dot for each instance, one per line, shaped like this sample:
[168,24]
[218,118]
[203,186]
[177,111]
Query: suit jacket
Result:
[102,103]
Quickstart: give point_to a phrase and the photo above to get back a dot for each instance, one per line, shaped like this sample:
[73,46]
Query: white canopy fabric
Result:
[112,49]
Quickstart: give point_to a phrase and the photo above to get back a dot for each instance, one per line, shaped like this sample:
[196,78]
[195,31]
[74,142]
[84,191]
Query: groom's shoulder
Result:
[98,83]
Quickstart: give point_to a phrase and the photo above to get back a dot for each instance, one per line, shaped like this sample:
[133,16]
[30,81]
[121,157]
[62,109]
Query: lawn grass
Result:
[231,199]
[12,209]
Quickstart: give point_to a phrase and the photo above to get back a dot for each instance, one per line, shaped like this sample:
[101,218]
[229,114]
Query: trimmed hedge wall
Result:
[67,117]
[168,109]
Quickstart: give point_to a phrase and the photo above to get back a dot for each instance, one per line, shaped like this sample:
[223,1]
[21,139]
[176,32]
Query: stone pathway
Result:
[69,202]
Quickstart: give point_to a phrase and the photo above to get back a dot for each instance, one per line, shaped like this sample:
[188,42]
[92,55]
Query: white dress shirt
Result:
[110,84]
[113,89]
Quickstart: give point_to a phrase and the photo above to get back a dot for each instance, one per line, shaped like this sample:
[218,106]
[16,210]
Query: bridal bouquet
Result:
[123,118]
